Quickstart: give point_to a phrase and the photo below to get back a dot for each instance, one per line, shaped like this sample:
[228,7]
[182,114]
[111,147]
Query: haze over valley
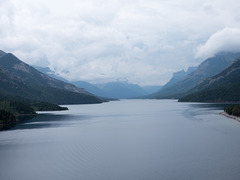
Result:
[141,89]
[141,42]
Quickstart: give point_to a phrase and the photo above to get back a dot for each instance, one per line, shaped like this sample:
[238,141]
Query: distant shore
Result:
[230,116]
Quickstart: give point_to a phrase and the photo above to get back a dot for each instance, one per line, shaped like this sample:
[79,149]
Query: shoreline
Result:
[230,116]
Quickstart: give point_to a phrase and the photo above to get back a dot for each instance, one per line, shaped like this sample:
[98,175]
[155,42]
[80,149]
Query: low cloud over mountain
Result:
[102,41]
[225,40]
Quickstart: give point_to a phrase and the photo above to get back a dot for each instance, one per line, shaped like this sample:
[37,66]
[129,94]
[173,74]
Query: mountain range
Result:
[122,90]
[116,90]
[20,81]
[179,76]
[208,68]
[214,80]
[49,72]
[224,87]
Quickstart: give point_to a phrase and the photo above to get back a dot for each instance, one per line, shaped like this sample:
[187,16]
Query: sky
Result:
[139,41]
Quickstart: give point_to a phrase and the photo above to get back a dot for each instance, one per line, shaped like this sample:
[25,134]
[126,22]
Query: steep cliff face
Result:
[2,53]
[210,67]
[18,79]
[223,87]
[49,72]
[113,90]
[215,65]
[29,75]
[179,76]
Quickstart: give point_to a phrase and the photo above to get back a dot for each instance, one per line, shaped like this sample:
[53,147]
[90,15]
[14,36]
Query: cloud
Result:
[225,40]
[143,41]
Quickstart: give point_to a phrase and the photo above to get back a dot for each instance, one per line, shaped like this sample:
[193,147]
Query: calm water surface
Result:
[125,140]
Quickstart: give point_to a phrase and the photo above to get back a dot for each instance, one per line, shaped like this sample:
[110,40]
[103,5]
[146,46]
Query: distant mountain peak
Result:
[178,76]
[2,53]
[191,69]
[208,68]
[49,72]
[224,87]
[9,60]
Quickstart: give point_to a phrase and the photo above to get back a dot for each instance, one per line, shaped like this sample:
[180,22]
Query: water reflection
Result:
[132,139]
[48,120]
[51,120]
[212,106]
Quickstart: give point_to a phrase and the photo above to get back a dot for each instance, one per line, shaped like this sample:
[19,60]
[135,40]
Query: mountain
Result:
[112,90]
[2,53]
[107,90]
[115,90]
[224,87]
[121,90]
[210,67]
[49,72]
[90,88]
[80,84]
[20,81]
[179,76]
[151,89]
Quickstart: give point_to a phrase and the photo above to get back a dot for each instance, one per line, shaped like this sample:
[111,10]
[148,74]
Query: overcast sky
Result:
[142,41]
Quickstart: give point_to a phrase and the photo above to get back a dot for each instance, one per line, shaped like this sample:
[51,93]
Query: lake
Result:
[124,140]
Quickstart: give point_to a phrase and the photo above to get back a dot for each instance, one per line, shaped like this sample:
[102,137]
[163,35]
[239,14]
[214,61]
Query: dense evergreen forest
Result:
[233,110]
[7,120]
[11,111]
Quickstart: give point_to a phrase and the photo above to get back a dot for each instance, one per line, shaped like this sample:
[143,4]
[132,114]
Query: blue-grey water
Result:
[124,140]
